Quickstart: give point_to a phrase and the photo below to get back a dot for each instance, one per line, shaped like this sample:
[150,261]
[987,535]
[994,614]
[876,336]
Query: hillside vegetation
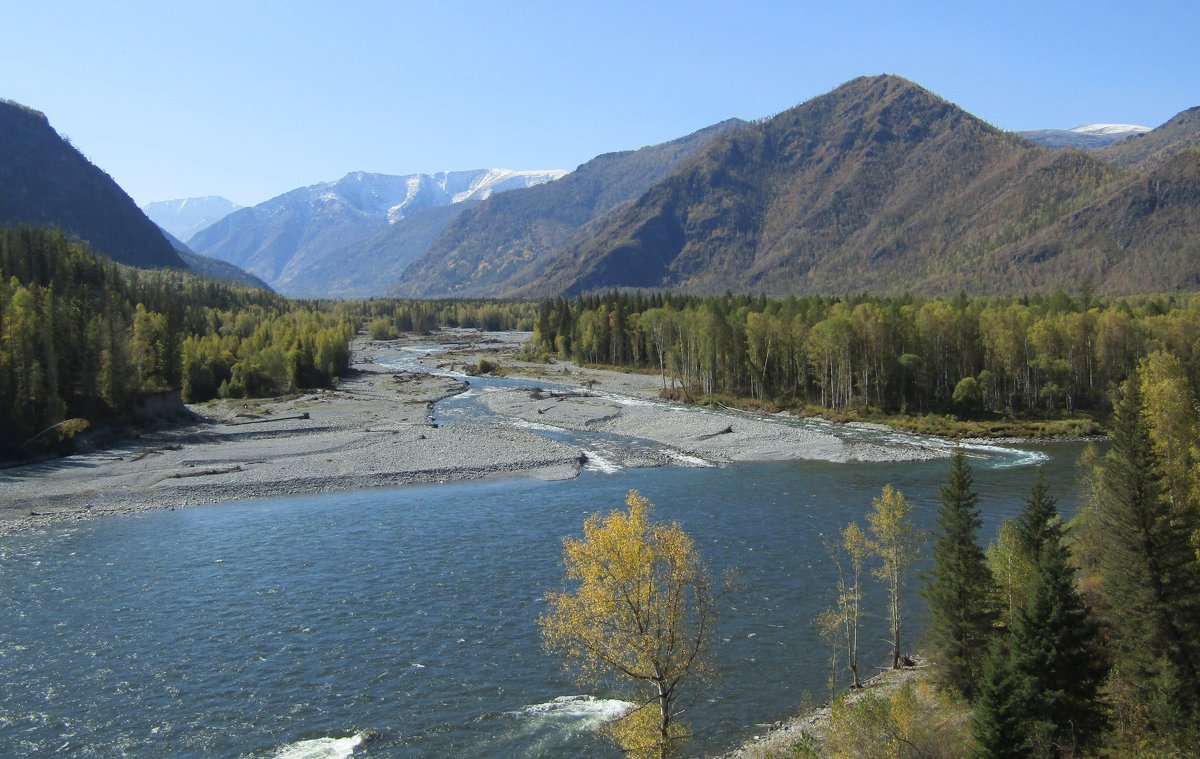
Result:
[46,181]
[83,340]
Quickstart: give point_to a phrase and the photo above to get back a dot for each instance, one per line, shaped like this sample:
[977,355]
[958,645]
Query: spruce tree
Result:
[999,720]
[1056,654]
[1151,577]
[959,587]
[1039,519]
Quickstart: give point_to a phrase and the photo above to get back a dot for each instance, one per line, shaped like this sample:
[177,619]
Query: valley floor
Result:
[376,430]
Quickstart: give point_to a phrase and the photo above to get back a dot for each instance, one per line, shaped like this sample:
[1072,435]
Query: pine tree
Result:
[1151,578]
[959,587]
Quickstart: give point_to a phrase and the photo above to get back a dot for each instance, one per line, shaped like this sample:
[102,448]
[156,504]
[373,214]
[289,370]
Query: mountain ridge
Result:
[284,238]
[510,236]
[45,181]
[878,185]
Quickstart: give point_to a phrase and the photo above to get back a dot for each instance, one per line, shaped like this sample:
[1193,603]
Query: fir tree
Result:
[1039,524]
[959,587]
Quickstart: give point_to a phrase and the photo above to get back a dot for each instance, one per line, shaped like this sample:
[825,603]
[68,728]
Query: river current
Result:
[288,627]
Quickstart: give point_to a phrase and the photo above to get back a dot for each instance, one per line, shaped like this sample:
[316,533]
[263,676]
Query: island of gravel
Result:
[378,429]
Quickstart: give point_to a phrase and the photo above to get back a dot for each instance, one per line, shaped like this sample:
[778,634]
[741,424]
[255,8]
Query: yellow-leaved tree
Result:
[642,612]
[897,544]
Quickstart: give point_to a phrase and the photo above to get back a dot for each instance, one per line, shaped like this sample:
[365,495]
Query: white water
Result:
[587,712]
[598,463]
[321,748]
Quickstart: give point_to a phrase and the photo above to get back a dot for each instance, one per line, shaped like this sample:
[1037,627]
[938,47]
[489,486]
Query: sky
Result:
[252,99]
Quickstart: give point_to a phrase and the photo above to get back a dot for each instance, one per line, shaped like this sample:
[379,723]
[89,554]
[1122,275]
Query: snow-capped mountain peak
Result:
[446,187]
[1110,129]
[496,180]
[185,217]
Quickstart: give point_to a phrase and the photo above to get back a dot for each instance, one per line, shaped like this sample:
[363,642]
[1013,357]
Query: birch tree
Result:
[895,542]
[642,612]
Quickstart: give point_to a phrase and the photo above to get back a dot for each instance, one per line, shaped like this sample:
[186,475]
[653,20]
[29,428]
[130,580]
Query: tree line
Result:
[83,339]
[388,319]
[1044,355]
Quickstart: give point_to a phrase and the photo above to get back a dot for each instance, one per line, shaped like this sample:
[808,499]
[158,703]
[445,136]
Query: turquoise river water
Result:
[286,627]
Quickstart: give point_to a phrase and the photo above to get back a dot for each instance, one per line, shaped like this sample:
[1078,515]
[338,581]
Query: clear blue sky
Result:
[251,99]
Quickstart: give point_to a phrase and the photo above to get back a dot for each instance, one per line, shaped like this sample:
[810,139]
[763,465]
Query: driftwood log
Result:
[728,430]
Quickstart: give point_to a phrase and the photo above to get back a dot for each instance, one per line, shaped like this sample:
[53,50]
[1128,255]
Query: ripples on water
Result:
[249,629]
[286,628]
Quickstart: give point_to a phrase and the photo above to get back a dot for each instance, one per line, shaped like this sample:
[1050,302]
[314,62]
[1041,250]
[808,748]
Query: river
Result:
[286,627]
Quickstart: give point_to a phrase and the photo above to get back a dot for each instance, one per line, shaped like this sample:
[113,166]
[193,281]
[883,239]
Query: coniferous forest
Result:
[1066,637]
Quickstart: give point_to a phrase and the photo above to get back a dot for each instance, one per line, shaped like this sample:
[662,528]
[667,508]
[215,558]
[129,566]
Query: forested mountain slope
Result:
[878,185]
[505,242]
[44,180]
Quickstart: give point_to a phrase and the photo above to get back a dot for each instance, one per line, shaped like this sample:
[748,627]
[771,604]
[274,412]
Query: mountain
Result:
[293,238]
[504,242]
[44,180]
[1086,137]
[1145,151]
[1142,236]
[213,268]
[878,185]
[185,217]
[368,268]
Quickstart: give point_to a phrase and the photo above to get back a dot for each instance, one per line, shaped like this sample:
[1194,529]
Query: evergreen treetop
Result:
[959,587]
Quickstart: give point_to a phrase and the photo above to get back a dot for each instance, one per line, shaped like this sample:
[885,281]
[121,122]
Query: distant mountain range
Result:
[187,216]
[1087,137]
[878,185]
[298,242]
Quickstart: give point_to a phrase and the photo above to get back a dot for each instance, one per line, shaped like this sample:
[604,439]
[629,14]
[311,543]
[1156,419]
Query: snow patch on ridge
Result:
[497,180]
[1110,129]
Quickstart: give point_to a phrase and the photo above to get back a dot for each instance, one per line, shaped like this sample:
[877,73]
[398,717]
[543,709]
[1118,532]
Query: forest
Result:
[1064,638]
[84,340]
[1042,356]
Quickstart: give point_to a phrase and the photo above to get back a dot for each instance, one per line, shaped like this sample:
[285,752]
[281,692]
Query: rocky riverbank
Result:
[377,430]
[374,430]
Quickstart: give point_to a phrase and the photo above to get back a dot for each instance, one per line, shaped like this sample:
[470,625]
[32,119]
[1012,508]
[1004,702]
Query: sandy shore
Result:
[698,435]
[626,405]
[376,430]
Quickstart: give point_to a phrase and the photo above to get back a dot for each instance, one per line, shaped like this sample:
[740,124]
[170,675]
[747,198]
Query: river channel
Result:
[286,627]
